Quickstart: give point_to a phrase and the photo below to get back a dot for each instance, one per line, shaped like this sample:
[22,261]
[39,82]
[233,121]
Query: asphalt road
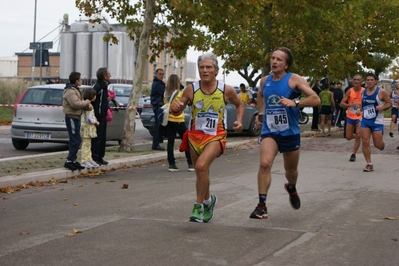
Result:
[347,217]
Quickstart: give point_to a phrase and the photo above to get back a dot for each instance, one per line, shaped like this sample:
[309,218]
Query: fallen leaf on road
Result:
[125,186]
[70,235]
[75,204]
[330,234]
[394,239]
[76,231]
[63,181]
[64,199]
[24,233]
[390,218]
[96,183]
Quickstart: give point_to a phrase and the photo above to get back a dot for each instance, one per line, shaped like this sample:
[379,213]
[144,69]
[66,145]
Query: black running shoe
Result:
[78,166]
[352,158]
[69,165]
[260,212]
[294,198]
[391,134]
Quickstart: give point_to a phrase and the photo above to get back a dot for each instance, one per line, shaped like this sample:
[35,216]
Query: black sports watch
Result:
[297,101]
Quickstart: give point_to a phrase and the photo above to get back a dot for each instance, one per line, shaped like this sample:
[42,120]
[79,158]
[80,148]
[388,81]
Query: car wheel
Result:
[151,130]
[254,129]
[20,144]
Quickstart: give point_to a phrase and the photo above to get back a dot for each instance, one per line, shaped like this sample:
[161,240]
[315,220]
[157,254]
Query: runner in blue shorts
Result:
[374,101]
[278,104]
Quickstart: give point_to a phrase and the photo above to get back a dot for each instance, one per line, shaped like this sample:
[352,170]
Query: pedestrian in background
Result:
[316,109]
[278,104]
[245,95]
[72,105]
[100,106]
[336,89]
[374,101]
[175,124]
[88,130]
[156,96]
[326,110]
[394,109]
[350,85]
[207,134]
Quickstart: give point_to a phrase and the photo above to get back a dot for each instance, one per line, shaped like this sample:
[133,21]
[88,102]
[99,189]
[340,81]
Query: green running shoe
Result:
[208,209]
[198,214]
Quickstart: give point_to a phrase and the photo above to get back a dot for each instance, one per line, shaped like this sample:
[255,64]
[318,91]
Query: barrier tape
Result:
[54,106]
[59,106]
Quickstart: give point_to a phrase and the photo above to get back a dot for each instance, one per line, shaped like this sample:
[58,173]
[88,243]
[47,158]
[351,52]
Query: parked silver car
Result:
[122,94]
[38,117]
[249,123]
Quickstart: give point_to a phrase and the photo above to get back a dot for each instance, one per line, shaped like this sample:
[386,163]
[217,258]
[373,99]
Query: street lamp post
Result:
[34,40]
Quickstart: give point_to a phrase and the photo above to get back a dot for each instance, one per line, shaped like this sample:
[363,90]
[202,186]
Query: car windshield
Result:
[43,96]
[122,91]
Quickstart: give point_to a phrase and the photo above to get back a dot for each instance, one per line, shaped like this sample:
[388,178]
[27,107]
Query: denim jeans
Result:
[73,128]
[157,124]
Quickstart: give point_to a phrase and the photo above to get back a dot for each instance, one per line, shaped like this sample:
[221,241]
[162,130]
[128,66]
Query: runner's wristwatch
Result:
[297,101]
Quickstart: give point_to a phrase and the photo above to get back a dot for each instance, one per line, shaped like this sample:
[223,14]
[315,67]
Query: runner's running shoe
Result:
[208,209]
[294,198]
[260,212]
[352,158]
[198,214]
[368,168]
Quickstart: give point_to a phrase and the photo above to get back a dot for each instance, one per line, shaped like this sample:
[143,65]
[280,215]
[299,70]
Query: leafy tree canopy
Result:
[336,38]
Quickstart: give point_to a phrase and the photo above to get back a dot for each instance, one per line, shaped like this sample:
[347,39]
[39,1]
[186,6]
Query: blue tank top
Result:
[278,119]
[369,103]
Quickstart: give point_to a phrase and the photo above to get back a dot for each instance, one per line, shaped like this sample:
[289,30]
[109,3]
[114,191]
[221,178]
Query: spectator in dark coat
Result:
[100,106]
[157,94]
[338,96]
[316,116]
[350,85]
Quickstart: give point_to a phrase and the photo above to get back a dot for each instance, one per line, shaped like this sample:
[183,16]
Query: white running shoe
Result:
[87,164]
[94,164]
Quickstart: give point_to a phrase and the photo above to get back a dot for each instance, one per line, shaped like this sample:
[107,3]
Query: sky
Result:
[17,28]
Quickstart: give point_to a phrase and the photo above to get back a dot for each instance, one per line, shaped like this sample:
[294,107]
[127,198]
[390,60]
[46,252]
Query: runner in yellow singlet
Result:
[207,133]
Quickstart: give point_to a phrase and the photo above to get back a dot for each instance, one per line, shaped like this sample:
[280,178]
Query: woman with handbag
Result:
[175,124]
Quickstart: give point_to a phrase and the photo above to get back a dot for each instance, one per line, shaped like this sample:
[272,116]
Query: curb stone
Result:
[62,173]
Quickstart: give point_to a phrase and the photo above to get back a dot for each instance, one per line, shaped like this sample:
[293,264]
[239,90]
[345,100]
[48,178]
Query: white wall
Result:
[8,66]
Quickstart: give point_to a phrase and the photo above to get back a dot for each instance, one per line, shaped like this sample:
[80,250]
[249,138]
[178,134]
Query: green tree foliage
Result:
[335,38]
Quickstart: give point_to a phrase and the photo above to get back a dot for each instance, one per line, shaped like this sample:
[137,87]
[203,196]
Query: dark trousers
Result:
[157,133]
[73,128]
[315,119]
[337,116]
[98,144]
[171,129]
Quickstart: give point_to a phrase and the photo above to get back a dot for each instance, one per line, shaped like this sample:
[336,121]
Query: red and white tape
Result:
[59,106]
[56,106]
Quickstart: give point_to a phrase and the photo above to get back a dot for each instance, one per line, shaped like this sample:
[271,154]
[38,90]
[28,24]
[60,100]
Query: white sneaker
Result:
[87,164]
[94,164]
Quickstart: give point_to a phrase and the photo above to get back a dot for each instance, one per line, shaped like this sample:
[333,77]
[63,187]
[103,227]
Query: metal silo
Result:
[67,54]
[83,54]
[130,59]
[98,27]
[99,53]
[116,54]
[79,26]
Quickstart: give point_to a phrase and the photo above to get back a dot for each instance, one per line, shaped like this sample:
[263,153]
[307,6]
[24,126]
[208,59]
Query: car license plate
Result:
[34,135]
